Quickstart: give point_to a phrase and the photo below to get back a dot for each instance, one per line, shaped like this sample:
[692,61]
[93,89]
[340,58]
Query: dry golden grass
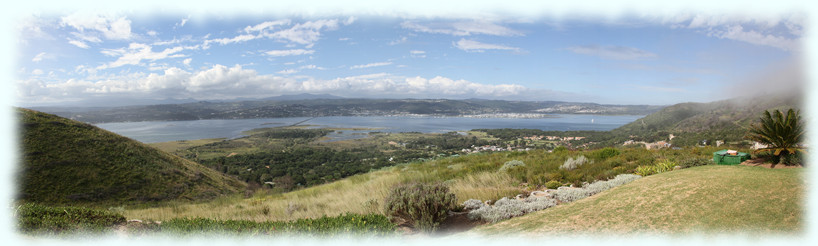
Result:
[362,193]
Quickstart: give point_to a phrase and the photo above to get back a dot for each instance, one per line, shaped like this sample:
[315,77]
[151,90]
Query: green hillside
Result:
[66,161]
[721,120]
[707,199]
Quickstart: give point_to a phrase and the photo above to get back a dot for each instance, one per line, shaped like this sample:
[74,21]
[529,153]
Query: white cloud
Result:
[306,33]
[349,21]
[37,72]
[463,28]
[181,23]
[287,71]
[187,61]
[292,52]
[222,82]
[311,66]
[137,52]
[376,64]
[737,32]
[417,53]
[152,33]
[471,45]
[112,28]
[781,32]
[42,55]
[402,39]
[266,25]
[78,43]
[612,52]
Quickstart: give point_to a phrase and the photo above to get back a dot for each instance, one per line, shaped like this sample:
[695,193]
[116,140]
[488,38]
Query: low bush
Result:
[511,165]
[506,208]
[606,153]
[553,184]
[423,205]
[572,163]
[41,219]
[645,170]
[695,162]
[570,195]
[665,166]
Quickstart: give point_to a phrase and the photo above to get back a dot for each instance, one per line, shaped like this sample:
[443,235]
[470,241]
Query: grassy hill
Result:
[720,120]
[66,161]
[707,199]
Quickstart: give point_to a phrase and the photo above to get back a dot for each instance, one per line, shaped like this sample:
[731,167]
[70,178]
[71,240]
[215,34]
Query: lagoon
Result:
[164,131]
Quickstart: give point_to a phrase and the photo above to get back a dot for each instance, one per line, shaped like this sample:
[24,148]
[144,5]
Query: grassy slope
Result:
[702,199]
[66,161]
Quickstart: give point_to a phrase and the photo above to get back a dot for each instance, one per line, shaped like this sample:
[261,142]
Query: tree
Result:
[781,133]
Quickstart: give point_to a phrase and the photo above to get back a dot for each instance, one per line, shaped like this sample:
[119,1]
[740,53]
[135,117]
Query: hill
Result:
[692,122]
[707,199]
[66,161]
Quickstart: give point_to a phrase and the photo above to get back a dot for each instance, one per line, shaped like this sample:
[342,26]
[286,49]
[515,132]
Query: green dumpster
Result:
[722,157]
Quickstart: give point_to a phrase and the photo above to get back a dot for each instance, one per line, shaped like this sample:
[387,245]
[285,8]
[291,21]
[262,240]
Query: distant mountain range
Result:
[311,105]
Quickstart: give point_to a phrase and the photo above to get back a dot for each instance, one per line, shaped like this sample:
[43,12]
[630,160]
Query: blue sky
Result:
[78,57]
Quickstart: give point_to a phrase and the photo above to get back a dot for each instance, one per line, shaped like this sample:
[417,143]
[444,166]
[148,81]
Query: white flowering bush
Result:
[506,208]
[473,204]
[570,195]
[512,164]
[572,163]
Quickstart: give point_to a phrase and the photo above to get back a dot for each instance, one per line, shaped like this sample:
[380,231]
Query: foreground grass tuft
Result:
[40,219]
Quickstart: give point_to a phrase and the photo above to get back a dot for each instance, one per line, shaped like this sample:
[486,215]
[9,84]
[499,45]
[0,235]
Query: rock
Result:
[134,221]
[677,168]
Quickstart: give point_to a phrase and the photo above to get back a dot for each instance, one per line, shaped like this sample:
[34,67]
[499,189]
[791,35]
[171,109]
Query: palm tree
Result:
[780,133]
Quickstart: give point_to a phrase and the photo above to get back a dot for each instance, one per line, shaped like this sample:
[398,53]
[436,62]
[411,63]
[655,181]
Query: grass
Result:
[69,162]
[43,220]
[362,194]
[707,199]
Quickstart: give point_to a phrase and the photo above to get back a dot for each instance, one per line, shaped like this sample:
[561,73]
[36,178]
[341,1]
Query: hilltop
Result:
[66,161]
[692,122]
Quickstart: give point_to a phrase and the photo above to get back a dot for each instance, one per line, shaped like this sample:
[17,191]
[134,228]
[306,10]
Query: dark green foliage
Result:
[553,184]
[423,205]
[605,153]
[69,162]
[695,162]
[41,219]
[369,224]
[782,133]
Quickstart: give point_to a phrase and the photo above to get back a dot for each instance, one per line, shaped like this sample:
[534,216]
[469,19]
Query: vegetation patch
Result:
[44,220]
[355,224]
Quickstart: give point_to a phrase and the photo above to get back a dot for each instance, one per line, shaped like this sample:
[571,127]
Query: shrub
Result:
[645,170]
[506,208]
[606,153]
[695,162]
[35,218]
[572,164]
[473,204]
[511,164]
[423,205]
[665,166]
[570,195]
[553,184]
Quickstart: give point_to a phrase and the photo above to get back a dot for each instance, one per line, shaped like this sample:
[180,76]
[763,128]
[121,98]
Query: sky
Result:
[129,57]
